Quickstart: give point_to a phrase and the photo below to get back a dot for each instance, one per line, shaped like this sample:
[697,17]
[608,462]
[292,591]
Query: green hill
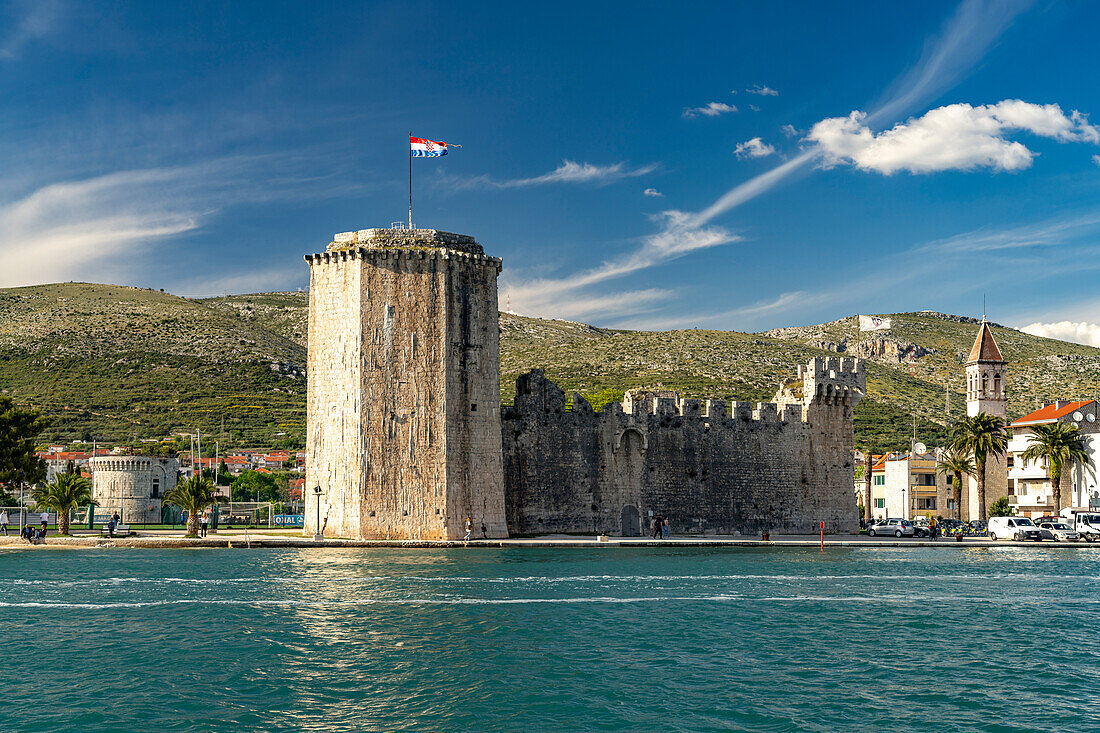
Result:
[122,363]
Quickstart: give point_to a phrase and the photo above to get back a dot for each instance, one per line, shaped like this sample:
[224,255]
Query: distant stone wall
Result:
[781,467]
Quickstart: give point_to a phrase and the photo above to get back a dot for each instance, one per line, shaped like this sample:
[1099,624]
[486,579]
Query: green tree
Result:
[69,491]
[19,428]
[1060,445]
[194,496]
[1001,508]
[980,436]
[224,477]
[868,470]
[956,464]
[254,486]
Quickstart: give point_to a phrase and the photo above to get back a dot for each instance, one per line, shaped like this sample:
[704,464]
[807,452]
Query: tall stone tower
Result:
[403,400]
[986,392]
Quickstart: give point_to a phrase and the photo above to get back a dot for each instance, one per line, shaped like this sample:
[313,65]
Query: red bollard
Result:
[822,526]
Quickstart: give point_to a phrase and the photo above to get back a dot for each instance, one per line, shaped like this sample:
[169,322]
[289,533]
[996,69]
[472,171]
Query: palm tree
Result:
[67,492]
[980,436]
[1060,445]
[193,496]
[957,464]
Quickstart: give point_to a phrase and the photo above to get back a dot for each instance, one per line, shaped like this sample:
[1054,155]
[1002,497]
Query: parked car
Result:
[896,527]
[977,526]
[1059,530]
[1013,528]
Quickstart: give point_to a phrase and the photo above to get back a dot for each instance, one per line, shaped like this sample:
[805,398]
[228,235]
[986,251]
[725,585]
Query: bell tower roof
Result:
[985,347]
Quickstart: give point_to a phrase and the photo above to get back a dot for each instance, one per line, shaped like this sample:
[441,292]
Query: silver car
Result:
[1061,531]
[896,527]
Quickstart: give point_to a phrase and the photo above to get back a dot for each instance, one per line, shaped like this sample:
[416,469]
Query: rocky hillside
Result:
[120,363]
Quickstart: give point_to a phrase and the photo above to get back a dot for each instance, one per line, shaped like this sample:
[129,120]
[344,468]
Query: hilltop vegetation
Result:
[122,364]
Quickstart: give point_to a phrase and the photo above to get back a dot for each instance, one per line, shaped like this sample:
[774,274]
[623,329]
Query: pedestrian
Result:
[933,529]
[469,529]
[4,521]
[45,520]
[658,521]
[204,524]
[111,527]
[666,530]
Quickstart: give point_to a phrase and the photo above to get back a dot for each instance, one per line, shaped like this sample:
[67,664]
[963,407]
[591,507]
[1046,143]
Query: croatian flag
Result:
[421,148]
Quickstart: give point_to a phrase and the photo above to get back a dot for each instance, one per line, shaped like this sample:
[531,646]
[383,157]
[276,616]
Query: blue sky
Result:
[738,166]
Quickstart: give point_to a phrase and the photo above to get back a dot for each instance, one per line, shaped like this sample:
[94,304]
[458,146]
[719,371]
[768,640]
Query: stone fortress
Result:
[132,485]
[406,437]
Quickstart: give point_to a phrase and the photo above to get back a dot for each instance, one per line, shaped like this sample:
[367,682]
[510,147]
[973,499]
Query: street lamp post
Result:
[317,527]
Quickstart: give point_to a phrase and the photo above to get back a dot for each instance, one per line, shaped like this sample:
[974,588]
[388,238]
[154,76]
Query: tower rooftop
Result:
[985,347]
[404,239]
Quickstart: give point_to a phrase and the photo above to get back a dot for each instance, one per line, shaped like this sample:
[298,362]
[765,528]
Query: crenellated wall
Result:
[780,466]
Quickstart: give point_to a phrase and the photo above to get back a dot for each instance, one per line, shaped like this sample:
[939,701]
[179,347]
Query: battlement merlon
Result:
[379,246]
[832,380]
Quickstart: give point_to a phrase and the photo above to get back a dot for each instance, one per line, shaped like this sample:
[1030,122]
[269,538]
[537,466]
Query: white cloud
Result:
[754,148]
[754,108]
[790,131]
[763,91]
[653,193]
[711,109]
[955,137]
[1096,159]
[74,230]
[1077,332]
[35,19]
[568,172]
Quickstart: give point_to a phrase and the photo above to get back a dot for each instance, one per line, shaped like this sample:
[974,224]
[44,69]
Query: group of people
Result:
[28,532]
[661,528]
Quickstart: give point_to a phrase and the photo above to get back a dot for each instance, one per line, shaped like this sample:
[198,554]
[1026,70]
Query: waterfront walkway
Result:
[286,538]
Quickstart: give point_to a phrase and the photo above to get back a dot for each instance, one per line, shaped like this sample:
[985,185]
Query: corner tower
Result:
[403,399]
[986,392]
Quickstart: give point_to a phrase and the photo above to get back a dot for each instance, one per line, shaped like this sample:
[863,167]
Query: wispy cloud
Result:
[955,137]
[711,109]
[653,193]
[754,148]
[763,91]
[104,227]
[1096,159]
[790,131]
[31,20]
[568,172]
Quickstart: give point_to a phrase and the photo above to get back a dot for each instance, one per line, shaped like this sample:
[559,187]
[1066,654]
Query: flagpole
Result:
[410,183]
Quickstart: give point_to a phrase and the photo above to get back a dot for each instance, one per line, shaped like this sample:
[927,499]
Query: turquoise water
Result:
[998,639]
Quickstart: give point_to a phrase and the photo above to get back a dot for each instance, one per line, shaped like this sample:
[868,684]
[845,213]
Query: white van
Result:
[1085,522]
[1013,528]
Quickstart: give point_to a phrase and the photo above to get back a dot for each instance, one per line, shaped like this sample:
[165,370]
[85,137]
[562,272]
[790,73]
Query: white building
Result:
[903,486]
[1029,488]
[986,392]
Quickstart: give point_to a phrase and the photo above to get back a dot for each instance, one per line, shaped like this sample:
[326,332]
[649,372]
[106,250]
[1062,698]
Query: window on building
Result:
[880,503]
[1011,460]
[1011,486]
[156,488]
[879,480]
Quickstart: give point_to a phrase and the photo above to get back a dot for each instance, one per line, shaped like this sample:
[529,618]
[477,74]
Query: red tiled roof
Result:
[985,346]
[1051,412]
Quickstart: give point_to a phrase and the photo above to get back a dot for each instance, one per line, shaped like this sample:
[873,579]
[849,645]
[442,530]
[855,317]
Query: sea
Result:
[551,639]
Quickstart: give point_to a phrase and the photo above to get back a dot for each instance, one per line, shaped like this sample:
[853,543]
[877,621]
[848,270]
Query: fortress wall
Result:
[334,440]
[126,484]
[760,469]
[475,480]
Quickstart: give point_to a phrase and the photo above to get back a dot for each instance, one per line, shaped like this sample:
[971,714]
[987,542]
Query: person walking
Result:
[469,529]
[204,524]
[933,529]
[4,521]
[666,530]
[658,522]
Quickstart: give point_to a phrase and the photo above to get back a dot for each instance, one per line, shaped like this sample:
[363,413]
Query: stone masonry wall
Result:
[403,403]
[781,467]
